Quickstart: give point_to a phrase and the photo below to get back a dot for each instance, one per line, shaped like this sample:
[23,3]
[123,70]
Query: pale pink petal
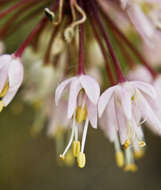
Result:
[148,114]
[60,89]
[92,113]
[5,60]
[15,73]
[15,77]
[121,122]
[3,77]
[73,94]
[108,122]
[125,95]
[9,95]
[141,23]
[104,99]
[91,87]
[144,87]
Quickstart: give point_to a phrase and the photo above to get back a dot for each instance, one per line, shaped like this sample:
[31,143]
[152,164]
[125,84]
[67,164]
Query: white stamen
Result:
[76,133]
[117,143]
[84,135]
[71,138]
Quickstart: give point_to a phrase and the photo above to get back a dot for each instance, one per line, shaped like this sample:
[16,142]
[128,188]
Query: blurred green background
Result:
[30,163]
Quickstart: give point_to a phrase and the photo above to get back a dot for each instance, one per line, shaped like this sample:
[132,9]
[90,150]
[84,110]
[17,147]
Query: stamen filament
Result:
[70,140]
[84,135]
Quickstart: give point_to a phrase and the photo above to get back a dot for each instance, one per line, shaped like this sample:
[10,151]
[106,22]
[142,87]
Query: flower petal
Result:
[73,94]
[148,114]
[92,113]
[104,99]
[15,73]
[121,122]
[5,60]
[60,89]
[125,95]
[91,87]
[145,87]
[108,122]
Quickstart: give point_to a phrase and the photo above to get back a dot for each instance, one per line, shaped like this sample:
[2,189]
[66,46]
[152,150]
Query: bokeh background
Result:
[28,162]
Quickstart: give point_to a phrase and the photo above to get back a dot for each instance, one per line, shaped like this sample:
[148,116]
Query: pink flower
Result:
[131,104]
[84,92]
[124,157]
[122,109]
[11,77]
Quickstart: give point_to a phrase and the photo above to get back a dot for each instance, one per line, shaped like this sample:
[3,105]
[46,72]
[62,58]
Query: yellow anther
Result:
[69,159]
[62,157]
[81,114]
[1,106]
[120,159]
[142,144]
[127,144]
[81,159]
[4,91]
[76,148]
[131,167]
[139,154]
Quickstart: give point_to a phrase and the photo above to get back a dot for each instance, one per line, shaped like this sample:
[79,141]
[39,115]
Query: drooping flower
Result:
[11,77]
[123,108]
[84,92]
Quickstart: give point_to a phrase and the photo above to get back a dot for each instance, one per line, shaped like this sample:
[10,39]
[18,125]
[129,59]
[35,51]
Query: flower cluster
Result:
[75,36]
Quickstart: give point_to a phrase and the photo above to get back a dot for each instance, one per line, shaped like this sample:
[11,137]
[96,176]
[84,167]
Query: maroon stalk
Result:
[4,29]
[129,44]
[108,69]
[81,53]
[21,49]
[119,74]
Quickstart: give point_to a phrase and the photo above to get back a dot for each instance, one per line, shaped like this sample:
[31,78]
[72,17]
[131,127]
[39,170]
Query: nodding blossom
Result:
[11,77]
[75,36]
[84,92]
[122,117]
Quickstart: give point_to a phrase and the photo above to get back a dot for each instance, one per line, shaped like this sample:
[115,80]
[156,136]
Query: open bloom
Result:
[84,92]
[11,77]
[123,107]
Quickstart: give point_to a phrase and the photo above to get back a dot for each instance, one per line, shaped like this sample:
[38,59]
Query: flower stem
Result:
[130,45]
[14,7]
[119,74]
[108,69]
[21,49]
[81,53]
